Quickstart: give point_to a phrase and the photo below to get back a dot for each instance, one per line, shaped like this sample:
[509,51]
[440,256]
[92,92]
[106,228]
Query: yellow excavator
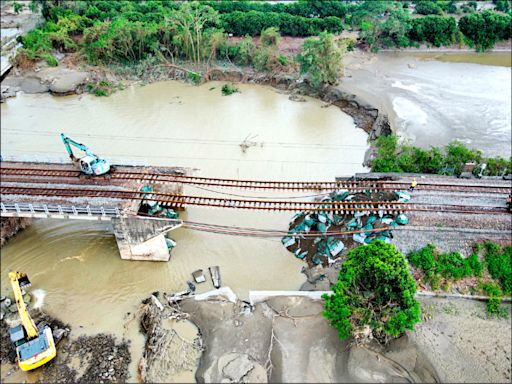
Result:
[34,347]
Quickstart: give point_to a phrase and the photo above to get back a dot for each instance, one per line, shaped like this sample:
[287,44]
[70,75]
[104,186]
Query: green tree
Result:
[484,29]
[374,289]
[428,7]
[321,59]
[190,20]
[502,5]
[435,30]
[395,30]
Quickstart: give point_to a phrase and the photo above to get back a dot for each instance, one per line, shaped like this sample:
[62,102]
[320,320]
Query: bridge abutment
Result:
[143,239]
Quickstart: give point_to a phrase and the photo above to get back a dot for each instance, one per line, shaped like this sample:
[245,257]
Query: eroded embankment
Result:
[68,80]
[286,339]
[10,226]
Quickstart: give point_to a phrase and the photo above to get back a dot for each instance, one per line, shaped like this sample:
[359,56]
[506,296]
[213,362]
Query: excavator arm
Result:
[68,142]
[18,280]
[37,347]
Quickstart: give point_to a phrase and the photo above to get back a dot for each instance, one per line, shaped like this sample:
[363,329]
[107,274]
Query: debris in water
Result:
[157,302]
[198,276]
[191,286]
[215,274]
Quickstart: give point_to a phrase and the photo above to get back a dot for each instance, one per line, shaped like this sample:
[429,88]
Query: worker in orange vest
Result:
[414,183]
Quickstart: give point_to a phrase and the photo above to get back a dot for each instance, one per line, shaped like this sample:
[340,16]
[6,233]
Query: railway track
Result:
[180,201]
[57,175]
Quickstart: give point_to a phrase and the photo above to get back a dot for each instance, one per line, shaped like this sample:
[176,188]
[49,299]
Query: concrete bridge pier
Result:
[143,239]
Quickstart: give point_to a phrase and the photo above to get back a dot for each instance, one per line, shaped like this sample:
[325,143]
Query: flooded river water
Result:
[77,263]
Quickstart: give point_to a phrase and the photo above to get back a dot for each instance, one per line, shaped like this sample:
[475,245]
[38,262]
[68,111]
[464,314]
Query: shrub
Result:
[502,5]
[428,7]
[493,306]
[374,289]
[270,37]
[229,89]
[499,264]
[392,157]
[450,266]
[246,51]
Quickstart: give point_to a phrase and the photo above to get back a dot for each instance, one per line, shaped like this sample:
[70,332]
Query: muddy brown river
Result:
[77,265]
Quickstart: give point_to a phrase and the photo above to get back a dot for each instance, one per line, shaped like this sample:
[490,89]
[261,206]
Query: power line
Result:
[188,140]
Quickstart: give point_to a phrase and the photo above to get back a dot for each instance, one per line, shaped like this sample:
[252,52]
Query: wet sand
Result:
[433,98]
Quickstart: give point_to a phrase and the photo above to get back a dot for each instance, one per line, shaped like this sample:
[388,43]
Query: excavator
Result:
[90,164]
[34,347]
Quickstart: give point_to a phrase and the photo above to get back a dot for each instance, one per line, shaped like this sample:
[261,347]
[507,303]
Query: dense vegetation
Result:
[442,269]
[375,290]
[450,160]
[129,31]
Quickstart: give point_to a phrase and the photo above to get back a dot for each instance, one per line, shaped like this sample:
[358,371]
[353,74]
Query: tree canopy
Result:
[375,290]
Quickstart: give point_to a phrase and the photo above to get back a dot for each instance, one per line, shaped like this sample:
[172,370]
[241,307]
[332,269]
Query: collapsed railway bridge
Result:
[39,190]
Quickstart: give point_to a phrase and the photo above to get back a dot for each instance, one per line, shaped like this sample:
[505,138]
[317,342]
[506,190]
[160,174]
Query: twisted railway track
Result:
[57,175]
[180,201]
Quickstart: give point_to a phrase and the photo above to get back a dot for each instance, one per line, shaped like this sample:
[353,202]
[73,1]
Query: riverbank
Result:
[10,226]
[285,339]
[72,77]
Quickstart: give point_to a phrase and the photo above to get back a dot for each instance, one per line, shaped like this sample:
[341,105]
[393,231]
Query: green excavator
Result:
[90,164]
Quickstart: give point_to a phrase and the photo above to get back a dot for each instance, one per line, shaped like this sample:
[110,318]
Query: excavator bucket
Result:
[24,281]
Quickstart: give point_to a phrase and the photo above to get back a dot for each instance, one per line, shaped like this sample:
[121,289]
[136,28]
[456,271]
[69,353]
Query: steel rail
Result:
[155,177]
[180,201]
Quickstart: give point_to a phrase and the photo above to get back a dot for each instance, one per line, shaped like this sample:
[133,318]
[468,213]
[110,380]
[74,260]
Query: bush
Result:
[229,89]
[450,266]
[493,306]
[246,51]
[101,88]
[428,7]
[374,289]
[392,157]
[502,5]
[499,264]
[270,37]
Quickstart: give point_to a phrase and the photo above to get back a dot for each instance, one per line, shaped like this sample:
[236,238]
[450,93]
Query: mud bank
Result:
[10,226]
[64,80]
[286,339]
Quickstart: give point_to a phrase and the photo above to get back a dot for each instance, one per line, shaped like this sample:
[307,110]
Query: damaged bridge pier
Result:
[55,191]
[143,238]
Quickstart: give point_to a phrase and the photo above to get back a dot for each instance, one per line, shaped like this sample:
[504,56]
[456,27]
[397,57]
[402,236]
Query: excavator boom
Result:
[18,281]
[34,347]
